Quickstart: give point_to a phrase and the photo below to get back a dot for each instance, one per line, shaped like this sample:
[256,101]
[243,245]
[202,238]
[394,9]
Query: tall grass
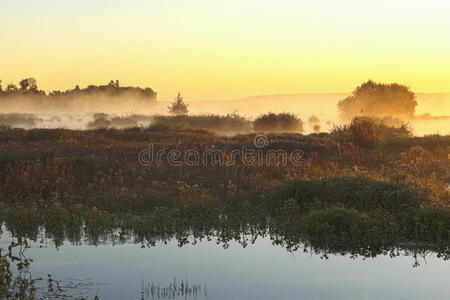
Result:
[367,131]
[231,123]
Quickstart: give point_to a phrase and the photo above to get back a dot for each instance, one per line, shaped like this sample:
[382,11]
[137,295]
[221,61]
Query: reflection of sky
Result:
[260,271]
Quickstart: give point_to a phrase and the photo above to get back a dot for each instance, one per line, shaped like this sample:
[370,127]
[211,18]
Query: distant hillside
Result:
[302,104]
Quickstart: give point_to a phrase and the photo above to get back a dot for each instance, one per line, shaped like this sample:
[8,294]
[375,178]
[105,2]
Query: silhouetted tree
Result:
[112,89]
[28,84]
[378,100]
[1,86]
[11,88]
[178,107]
[113,83]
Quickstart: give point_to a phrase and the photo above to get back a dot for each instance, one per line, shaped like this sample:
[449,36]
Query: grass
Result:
[177,288]
[228,124]
[360,193]
[370,132]
[75,183]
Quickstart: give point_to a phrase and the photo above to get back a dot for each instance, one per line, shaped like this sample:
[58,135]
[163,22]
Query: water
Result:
[258,271]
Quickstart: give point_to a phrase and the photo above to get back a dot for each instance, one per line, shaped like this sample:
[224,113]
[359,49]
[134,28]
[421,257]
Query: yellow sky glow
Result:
[218,50]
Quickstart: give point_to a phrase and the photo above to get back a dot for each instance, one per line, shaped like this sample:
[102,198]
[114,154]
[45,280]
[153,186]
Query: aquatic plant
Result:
[14,285]
[176,289]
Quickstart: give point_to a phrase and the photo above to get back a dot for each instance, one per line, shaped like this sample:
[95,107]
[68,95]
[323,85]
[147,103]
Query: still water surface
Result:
[258,271]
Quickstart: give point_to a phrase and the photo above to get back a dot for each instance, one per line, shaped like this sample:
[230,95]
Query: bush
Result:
[99,123]
[366,131]
[231,123]
[123,122]
[102,120]
[4,127]
[282,122]
[18,120]
[314,120]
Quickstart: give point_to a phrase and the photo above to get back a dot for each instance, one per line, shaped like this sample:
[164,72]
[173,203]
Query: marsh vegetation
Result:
[368,187]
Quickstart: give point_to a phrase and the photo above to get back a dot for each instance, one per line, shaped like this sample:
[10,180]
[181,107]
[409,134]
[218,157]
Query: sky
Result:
[220,50]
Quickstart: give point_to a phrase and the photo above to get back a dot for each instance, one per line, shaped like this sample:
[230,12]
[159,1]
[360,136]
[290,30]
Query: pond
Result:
[260,270]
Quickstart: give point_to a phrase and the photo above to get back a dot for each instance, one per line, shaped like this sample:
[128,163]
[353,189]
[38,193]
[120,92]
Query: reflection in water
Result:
[251,263]
[69,288]
[243,234]
[181,288]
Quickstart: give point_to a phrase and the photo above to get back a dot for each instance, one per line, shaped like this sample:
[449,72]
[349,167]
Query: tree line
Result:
[29,87]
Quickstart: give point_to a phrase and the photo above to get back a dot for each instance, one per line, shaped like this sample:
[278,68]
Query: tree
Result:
[28,84]
[1,86]
[114,84]
[11,88]
[378,100]
[178,107]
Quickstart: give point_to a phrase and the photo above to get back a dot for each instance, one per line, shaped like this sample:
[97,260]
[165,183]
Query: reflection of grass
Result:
[19,285]
[349,214]
[176,289]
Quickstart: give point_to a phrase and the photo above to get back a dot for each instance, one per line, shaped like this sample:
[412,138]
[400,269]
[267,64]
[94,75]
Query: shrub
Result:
[102,120]
[18,120]
[366,131]
[282,122]
[99,123]
[313,120]
[123,122]
[231,123]
[4,127]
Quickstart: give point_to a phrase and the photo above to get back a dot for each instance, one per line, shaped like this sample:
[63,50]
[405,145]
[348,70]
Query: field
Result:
[341,187]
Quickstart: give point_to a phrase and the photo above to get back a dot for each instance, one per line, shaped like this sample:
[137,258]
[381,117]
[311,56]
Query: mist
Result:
[77,112]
